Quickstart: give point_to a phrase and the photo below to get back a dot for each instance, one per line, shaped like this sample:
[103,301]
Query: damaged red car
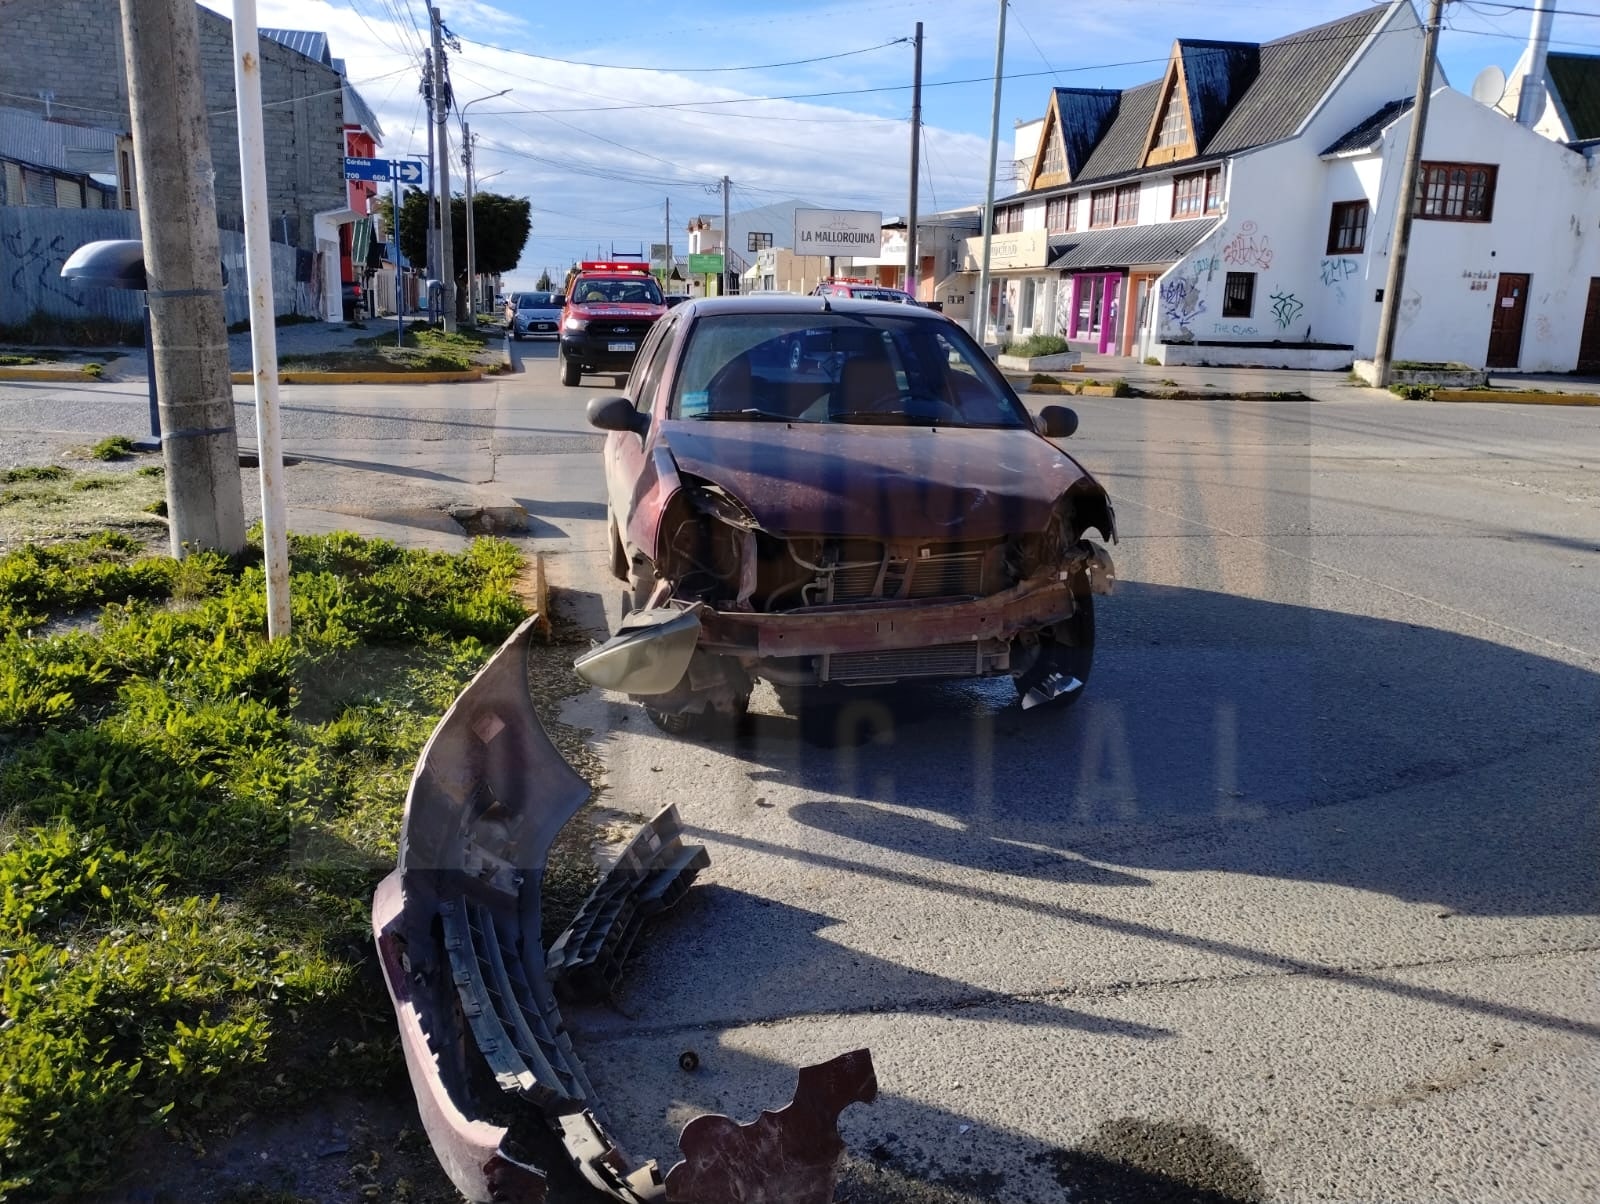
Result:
[834,494]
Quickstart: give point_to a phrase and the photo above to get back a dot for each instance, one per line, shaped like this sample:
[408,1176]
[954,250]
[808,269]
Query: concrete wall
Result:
[1547,199]
[35,242]
[73,48]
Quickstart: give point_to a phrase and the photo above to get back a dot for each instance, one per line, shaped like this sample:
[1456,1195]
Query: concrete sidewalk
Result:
[1319,386]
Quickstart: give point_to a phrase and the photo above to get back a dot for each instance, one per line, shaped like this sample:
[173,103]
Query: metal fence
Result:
[35,242]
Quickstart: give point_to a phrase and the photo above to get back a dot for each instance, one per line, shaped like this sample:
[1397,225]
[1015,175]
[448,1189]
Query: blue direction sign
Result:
[406,171]
[366,169]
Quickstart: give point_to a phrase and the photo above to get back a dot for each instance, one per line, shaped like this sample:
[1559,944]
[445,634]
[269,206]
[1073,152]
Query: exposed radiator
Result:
[892,664]
[952,576]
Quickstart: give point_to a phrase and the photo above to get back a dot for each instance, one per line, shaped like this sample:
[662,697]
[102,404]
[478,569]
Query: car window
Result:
[637,292]
[652,361]
[849,368]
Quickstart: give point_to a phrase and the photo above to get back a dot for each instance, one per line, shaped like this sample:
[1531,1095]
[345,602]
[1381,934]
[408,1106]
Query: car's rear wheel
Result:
[1062,653]
[570,371]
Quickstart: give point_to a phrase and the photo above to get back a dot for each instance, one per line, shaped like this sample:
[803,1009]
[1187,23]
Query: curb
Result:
[366,378]
[1130,391]
[56,374]
[533,587]
[1513,397]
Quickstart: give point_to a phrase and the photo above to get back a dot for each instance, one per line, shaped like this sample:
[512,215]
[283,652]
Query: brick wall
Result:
[73,48]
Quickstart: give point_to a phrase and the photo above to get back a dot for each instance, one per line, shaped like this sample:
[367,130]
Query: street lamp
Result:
[472,250]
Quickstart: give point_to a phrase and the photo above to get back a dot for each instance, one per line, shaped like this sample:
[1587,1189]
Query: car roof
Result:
[772,303]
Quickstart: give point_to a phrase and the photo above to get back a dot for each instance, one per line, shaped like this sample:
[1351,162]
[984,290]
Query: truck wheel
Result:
[570,371]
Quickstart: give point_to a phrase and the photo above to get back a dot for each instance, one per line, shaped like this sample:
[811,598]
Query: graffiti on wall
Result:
[1337,271]
[37,265]
[1410,307]
[1237,329]
[1542,329]
[1181,302]
[1286,307]
[1249,248]
[1207,264]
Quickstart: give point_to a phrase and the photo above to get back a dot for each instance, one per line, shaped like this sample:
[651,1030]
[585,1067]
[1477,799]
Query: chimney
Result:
[1531,98]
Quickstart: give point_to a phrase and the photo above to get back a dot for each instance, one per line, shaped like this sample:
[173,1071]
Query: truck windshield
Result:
[637,292]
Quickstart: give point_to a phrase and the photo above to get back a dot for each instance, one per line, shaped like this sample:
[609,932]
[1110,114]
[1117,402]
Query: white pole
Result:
[988,202]
[263,332]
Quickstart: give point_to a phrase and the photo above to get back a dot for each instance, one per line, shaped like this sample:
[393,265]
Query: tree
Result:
[544,284]
[500,229]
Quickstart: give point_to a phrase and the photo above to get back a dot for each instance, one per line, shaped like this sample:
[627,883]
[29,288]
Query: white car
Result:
[536,313]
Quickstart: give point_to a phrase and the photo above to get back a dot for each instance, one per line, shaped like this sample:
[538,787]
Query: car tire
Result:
[571,370]
[1072,655]
[703,724]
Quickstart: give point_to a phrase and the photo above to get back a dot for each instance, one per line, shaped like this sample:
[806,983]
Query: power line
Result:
[550,58]
[1017,16]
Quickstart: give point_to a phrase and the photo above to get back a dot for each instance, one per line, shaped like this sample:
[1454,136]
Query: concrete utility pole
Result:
[472,258]
[1403,203]
[982,298]
[183,264]
[433,175]
[666,275]
[727,240]
[441,112]
[916,137]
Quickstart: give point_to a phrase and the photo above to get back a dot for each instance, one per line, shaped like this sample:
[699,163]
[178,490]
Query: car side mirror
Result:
[1056,422]
[616,414]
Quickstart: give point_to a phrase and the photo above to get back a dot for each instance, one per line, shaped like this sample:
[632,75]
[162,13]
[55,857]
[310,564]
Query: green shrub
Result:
[112,447]
[95,370]
[34,472]
[195,819]
[1038,344]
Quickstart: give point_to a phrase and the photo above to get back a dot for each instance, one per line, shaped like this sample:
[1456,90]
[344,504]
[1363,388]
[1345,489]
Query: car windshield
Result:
[537,301]
[841,368]
[636,292]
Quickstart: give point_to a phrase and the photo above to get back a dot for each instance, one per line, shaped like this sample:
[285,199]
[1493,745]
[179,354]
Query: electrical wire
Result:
[550,58]
[1018,17]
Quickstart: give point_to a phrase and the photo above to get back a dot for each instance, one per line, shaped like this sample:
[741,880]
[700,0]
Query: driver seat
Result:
[862,380]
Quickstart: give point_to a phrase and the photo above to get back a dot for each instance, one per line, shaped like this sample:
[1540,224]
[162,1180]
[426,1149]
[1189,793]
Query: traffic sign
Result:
[366,169]
[406,171]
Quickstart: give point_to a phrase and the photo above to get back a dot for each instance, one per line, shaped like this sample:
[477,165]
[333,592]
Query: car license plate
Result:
[619,346]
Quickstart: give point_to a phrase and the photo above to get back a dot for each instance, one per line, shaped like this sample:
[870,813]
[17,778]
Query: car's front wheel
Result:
[1054,665]
[570,371]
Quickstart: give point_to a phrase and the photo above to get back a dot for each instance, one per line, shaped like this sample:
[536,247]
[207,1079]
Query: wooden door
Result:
[1505,326]
[1589,345]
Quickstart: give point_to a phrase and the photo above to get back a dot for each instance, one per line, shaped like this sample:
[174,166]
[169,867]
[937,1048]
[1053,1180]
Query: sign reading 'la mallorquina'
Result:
[838,232]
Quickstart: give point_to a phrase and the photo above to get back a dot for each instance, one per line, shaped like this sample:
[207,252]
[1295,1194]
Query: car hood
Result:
[876,481]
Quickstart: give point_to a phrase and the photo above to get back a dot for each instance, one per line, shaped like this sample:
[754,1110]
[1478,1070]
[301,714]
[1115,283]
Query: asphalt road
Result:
[1300,902]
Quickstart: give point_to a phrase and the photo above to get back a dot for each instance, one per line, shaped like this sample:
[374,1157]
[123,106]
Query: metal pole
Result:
[472,258]
[1403,203]
[183,267]
[150,376]
[988,200]
[433,223]
[447,247]
[666,270]
[727,241]
[399,264]
[263,333]
[916,136]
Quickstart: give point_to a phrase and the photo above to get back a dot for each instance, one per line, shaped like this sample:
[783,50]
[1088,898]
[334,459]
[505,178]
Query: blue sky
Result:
[578,136]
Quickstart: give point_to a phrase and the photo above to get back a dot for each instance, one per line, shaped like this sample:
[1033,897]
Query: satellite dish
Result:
[1489,86]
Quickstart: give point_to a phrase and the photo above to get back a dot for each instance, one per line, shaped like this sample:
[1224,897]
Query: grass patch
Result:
[1427,366]
[1036,345]
[14,360]
[425,349]
[47,502]
[1413,392]
[192,821]
[112,447]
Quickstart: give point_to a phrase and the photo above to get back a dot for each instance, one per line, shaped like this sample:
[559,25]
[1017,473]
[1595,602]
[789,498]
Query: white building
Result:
[1238,210]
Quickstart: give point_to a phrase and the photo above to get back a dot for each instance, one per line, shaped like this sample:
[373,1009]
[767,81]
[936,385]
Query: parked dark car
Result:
[838,494]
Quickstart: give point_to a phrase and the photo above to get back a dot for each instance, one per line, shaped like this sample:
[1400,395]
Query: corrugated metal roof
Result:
[1369,133]
[1085,115]
[1121,150]
[1217,75]
[1126,246]
[311,43]
[1296,72]
[58,144]
[1575,78]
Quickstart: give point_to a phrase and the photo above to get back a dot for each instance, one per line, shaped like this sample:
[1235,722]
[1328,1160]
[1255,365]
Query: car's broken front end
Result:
[809,611]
